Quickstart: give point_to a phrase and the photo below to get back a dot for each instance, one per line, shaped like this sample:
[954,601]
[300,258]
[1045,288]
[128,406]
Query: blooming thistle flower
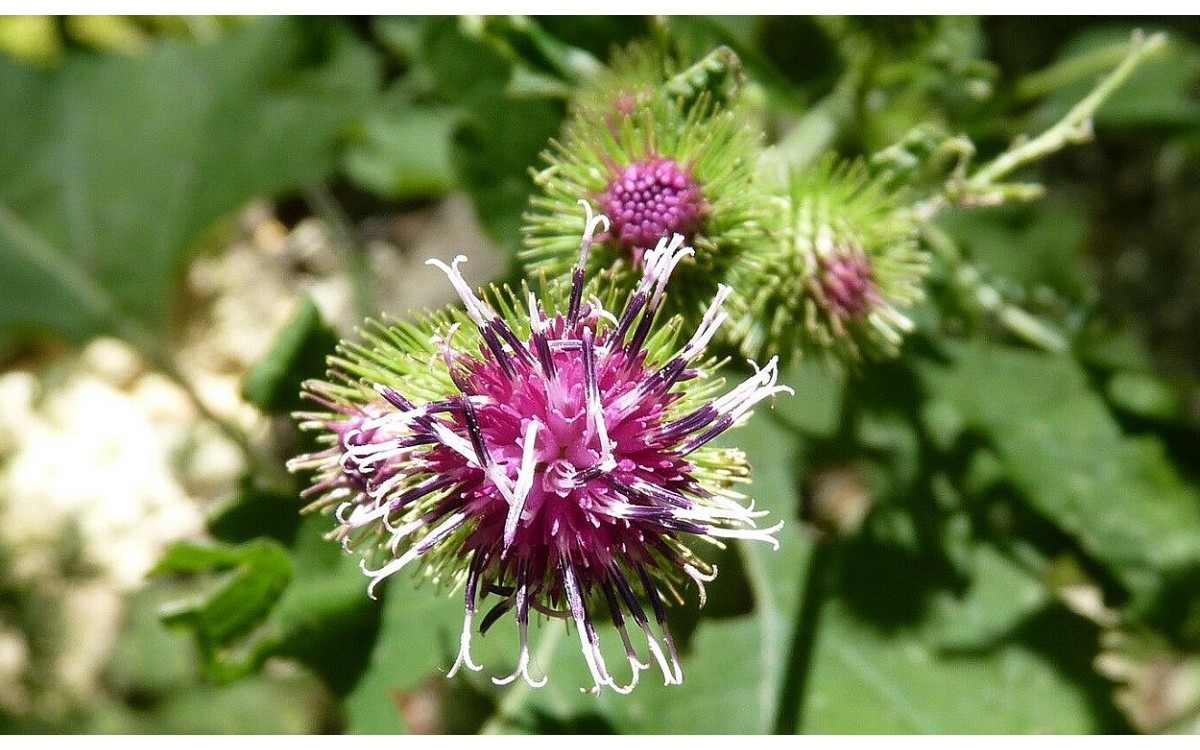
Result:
[560,461]
[661,155]
[843,266]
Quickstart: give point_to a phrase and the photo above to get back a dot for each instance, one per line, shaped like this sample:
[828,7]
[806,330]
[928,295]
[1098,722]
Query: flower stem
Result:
[987,298]
[1075,126]
[983,187]
[815,588]
[1064,73]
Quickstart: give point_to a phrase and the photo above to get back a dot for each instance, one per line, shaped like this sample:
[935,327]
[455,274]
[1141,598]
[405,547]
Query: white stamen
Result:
[589,229]
[636,665]
[694,573]
[713,318]
[525,477]
[760,535]
[754,389]
[536,322]
[664,265]
[668,670]
[478,312]
[676,668]
[464,649]
[456,443]
[591,654]
[447,526]
[522,669]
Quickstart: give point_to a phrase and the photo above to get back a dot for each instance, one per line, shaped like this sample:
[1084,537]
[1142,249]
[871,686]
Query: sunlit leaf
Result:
[1118,496]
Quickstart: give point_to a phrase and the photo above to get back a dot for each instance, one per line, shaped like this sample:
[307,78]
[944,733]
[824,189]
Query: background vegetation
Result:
[997,531]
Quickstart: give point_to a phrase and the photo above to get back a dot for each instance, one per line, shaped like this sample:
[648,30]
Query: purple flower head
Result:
[649,200]
[559,461]
[843,283]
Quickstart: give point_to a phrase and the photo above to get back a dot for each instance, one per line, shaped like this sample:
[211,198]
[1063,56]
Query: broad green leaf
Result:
[1001,595]
[157,687]
[1050,236]
[325,619]
[418,636]
[865,681]
[148,658]
[294,704]
[494,146]
[1146,395]
[816,409]
[114,166]
[257,510]
[465,70]
[1118,496]
[533,45]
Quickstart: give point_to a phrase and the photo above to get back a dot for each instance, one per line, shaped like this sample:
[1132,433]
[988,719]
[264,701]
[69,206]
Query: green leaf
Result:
[1146,395]
[293,704]
[816,409]
[251,580]
[310,606]
[1118,496]
[465,70]
[114,166]
[1050,236]
[299,353]
[257,510]
[493,149]
[403,152]
[418,635]
[498,137]
[148,658]
[1001,596]
[729,685]
[866,681]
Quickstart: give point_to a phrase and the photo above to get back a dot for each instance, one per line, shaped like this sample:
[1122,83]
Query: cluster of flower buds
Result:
[822,262]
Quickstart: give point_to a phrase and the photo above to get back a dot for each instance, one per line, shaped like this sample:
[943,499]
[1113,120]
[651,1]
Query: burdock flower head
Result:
[661,154]
[557,459]
[843,266]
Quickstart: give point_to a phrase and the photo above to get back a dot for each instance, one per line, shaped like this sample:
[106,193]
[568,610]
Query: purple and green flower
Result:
[553,456]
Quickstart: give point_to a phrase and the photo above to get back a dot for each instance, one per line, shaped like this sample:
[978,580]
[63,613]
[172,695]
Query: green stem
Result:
[816,585]
[982,187]
[1064,73]
[1075,126]
[1017,321]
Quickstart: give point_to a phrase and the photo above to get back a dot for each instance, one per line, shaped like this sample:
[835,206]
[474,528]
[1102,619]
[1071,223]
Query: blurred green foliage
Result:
[970,527]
